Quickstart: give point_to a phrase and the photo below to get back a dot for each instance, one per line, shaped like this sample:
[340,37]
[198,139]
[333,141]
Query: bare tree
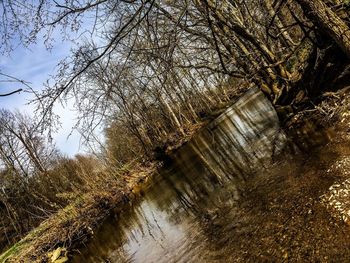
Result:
[141,63]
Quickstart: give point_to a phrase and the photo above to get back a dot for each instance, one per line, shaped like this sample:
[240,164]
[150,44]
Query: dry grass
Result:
[75,223]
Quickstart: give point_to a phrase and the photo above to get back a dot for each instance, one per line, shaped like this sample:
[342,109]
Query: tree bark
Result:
[328,21]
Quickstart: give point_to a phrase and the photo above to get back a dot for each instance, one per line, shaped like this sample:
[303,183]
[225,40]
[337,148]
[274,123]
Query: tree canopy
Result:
[141,63]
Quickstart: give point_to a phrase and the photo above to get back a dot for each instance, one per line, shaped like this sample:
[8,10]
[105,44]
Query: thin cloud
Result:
[35,65]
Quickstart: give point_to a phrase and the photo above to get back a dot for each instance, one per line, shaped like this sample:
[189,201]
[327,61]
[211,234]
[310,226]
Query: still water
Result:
[232,194]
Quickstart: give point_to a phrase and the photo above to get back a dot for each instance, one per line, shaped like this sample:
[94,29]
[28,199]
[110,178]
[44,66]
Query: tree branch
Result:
[10,93]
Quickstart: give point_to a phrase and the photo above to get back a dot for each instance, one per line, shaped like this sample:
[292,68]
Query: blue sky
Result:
[35,65]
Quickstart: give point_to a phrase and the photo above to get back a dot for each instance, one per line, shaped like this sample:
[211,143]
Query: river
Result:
[240,191]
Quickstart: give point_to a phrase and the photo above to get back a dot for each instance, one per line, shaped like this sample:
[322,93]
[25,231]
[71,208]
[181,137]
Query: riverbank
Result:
[285,213]
[276,214]
[332,114]
[298,210]
[56,237]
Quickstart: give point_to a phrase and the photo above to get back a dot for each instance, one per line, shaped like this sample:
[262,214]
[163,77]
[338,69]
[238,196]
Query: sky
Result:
[35,65]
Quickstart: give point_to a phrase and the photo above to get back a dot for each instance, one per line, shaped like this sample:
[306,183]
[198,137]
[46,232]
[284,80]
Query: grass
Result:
[12,251]
[75,224]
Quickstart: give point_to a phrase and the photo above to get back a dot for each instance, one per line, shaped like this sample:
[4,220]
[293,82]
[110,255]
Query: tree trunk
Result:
[287,38]
[328,21]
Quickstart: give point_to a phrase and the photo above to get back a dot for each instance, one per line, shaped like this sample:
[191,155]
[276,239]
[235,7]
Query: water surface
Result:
[240,191]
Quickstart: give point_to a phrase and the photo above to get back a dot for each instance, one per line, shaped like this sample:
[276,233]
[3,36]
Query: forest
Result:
[151,73]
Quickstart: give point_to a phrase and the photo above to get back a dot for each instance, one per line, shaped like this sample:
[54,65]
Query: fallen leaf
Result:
[56,254]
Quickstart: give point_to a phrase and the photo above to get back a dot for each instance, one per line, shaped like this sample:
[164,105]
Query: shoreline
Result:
[68,228]
[56,237]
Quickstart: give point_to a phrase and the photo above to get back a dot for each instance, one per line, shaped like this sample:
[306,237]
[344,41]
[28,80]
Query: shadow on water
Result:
[223,199]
